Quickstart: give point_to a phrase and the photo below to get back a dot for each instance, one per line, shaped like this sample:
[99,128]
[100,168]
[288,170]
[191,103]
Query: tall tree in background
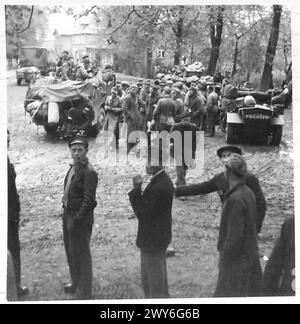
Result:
[25,25]
[266,80]
[216,28]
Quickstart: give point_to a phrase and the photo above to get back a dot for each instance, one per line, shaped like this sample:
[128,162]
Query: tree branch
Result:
[124,22]
[29,23]
[86,12]
[191,23]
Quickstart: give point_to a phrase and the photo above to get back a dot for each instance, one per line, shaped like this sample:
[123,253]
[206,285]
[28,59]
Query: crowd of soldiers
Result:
[167,106]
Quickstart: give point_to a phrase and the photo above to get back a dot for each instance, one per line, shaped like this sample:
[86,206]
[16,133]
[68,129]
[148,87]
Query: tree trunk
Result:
[179,36]
[235,56]
[216,28]
[149,65]
[266,80]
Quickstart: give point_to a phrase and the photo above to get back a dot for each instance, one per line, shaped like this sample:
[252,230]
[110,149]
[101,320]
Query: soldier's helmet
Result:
[249,101]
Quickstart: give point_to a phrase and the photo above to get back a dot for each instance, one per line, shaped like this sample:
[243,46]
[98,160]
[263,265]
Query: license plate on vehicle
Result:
[257,116]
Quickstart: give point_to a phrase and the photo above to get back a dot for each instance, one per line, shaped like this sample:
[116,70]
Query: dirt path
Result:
[41,164]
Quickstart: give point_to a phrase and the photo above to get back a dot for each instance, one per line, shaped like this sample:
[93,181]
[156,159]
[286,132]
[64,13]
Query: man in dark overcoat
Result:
[279,274]
[237,242]
[153,209]
[219,184]
[13,241]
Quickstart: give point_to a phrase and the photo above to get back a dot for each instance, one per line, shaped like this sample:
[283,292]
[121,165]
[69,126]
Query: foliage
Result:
[25,25]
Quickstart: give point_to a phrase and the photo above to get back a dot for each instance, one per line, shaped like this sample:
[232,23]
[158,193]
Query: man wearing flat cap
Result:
[220,184]
[79,201]
[237,244]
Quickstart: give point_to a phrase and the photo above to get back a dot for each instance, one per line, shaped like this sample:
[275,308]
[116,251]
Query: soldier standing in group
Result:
[132,114]
[13,241]
[113,106]
[152,101]
[119,88]
[125,88]
[144,94]
[188,149]
[164,113]
[179,109]
[79,201]
[195,104]
[211,111]
[237,244]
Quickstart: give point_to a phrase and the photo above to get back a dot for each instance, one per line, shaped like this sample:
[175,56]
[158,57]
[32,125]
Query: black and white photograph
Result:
[150,152]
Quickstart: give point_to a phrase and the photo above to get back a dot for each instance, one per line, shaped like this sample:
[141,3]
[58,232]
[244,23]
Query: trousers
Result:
[77,236]
[13,245]
[154,274]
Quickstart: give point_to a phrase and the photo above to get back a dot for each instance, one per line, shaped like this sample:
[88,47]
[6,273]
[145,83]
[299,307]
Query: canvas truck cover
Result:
[63,91]
[31,56]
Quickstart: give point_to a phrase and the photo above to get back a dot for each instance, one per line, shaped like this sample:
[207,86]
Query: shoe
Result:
[22,291]
[69,289]
[170,252]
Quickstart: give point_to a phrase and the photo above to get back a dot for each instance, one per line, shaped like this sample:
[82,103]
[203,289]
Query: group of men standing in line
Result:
[162,106]
[243,212]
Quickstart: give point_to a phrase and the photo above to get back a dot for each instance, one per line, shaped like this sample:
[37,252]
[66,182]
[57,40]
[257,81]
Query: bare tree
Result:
[266,80]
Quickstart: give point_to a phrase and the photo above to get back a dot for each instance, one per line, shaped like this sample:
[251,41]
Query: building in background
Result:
[79,37]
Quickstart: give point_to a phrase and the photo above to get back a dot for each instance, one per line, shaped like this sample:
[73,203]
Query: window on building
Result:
[161,53]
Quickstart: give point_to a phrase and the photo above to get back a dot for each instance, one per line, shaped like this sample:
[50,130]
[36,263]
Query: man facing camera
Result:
[79,201]
[153,209]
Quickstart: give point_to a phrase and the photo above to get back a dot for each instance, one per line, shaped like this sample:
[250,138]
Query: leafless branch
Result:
[124,22]
[191,23]
[86,12]
[29,22]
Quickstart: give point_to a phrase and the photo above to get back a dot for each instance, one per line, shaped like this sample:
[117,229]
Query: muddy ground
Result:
[41,164]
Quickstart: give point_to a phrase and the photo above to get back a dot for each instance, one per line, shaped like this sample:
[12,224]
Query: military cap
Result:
[125,83]
[233,149]
[167,90]
[79,138]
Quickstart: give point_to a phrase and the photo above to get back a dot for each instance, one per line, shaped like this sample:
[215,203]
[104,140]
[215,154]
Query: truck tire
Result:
[101,118]
[19,81]
[51,130]
[277,135]
[229,134]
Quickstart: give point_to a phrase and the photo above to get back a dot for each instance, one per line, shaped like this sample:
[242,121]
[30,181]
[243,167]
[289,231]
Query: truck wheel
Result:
[230,134]
[51,130]
[101,118]
[277,135]
[19,81]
